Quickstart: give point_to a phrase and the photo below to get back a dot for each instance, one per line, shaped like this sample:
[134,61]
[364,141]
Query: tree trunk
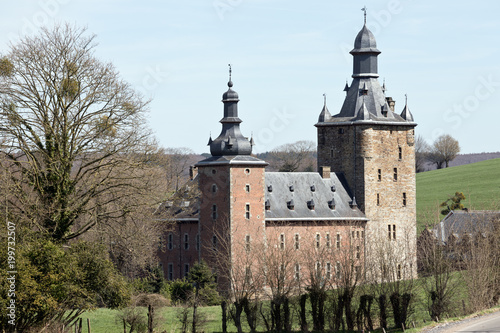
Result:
[303,314]
[286,320]
[224,316]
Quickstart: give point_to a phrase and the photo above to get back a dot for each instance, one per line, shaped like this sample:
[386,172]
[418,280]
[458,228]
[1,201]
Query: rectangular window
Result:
[297,242]
[328,240]
[331,153]
[379,175]
[214,243]
[337,242]
[170,272]
[214,212]
[161,242]
[378,199]
[170,244]
[186,270]
[248,276]
[404,198]
[197,242]
[318,268]
[282,241]
[328,273]
[395,174]
[186,242]
[391,231]
[247,188]
[400,151]
[247,243]
[357,233]
[338,271]
[318,240]
[357,271]
[247,211]
[358,252]
[399,272]
[297,271]
[353,234]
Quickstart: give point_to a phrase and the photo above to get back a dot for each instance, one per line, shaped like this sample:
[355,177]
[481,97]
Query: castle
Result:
[362,198]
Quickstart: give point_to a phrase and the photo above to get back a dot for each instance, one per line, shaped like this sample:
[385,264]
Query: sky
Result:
[285,55]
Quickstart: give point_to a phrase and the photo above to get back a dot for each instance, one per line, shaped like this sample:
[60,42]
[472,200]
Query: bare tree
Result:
[278,264]
[239,275]
[175,162]
[293,157]
[391,272]
[444,150]
[74,133]
[422,151]
[479,252]
[436,262]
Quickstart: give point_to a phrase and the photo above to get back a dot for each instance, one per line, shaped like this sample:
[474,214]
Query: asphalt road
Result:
[484,324]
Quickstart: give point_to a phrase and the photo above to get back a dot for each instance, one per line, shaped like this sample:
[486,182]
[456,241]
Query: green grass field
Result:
[107,321]
[480,183]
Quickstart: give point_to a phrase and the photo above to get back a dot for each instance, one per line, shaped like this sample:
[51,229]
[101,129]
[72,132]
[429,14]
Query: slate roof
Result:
[230,140]
[233,160]
[460,223]
[307,187]
[365,101]
[183,205]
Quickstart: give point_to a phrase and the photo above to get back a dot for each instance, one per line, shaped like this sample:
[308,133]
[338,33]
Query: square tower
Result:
[374,148]
[231,184]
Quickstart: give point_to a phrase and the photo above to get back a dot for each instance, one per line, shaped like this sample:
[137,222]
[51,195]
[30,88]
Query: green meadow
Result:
[479,182]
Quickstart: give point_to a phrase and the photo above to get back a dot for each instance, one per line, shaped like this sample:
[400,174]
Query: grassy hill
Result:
[480,183]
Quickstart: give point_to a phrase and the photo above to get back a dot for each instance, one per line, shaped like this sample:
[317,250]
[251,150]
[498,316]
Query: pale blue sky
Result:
[285,55]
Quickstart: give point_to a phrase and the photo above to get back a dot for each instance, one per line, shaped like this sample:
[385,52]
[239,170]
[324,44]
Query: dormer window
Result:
[331,204]
[310,204]
[333,188]
[313,188]
[364,90]
[290,204]
[267,204]
[291,188]
[270,188]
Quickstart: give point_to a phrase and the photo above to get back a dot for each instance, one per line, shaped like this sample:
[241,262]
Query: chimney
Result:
[193,172]
[325,172]
[391,102]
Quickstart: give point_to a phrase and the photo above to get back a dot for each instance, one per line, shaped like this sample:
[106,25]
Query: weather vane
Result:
[229,71]
[324,97]
[364,9]
[406,99]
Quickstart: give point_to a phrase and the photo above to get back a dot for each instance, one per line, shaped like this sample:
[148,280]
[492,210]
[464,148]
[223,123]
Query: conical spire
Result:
[406,114]
[325,114]
[230,141]
[346,88]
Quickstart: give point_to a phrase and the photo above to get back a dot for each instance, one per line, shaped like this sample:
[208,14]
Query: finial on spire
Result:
[324,97]
[364,9]
[406,99]
[230,83]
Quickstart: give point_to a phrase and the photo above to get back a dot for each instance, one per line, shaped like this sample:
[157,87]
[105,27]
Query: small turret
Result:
[406,114]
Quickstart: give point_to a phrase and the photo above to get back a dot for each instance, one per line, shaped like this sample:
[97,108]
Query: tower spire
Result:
[230,141]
